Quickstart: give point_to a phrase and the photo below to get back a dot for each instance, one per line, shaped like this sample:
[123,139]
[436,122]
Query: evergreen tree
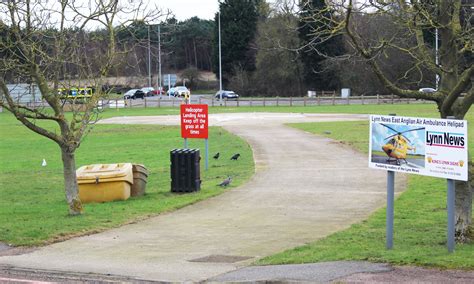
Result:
[238,28]
[315,18]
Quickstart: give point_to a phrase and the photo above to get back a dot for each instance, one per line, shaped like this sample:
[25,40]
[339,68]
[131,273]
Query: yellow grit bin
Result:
[104,182]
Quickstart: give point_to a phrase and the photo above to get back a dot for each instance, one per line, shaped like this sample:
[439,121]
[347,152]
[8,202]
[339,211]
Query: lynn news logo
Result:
[445,139]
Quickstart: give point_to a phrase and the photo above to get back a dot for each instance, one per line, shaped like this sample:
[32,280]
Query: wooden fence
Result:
[252,102]
[275,101]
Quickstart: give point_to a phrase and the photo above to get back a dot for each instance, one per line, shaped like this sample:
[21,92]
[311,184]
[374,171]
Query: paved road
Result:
[305,188]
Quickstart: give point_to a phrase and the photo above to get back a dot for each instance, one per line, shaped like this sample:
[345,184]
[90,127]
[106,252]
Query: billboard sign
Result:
[194,121]
[424,146]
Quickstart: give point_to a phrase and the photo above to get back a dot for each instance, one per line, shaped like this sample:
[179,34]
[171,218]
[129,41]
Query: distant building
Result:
[24,93]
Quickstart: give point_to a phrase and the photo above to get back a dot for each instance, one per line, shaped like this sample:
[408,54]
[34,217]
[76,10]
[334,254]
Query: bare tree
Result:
[62,47]
[278,66]
[415,20]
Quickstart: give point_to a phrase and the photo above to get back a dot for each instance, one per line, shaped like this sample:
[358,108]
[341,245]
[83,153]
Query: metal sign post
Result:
[169,85]
[207,153]
[451,210]
[390,208]
[185,138]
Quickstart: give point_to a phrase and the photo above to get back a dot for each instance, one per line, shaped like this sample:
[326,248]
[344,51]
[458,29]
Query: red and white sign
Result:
[194,121]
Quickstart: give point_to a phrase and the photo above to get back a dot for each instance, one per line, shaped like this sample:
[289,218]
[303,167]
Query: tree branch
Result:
[463,82]
[467,102]
[15,110]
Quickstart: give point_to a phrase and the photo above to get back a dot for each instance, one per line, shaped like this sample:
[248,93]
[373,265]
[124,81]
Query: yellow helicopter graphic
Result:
[398,145]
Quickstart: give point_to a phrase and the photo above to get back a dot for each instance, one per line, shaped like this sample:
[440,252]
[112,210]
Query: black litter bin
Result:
[185,170]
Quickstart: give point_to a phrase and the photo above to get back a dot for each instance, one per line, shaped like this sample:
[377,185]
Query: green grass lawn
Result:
[419,225]
[33,210]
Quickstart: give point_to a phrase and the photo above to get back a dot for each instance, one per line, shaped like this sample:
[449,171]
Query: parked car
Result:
[139,94]
[181,91]
[154,93]
[227,95]
[427,90]
[147,91]
[134,94]
[170,92]
[128,94]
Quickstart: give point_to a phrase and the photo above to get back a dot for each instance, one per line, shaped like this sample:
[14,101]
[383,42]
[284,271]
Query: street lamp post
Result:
[220,60]
[436,57]
[159,59]
[149,58]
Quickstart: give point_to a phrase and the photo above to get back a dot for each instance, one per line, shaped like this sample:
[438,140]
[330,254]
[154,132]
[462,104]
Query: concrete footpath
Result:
[305,188]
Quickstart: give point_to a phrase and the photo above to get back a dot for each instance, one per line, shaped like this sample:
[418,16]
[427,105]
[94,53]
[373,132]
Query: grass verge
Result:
[419,225]
[33,210]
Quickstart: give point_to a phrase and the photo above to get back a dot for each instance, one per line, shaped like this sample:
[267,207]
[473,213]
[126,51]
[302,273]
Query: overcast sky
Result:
[185,9]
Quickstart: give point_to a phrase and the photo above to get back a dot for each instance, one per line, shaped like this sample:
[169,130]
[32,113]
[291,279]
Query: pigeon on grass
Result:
[216,156]
[226,182]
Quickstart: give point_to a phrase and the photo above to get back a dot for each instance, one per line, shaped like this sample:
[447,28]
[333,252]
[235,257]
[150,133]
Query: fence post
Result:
[291,101]
[393,98]
[250,102]
[304,101]
[159,102]
[333,99]
[378,102]
[278,102]
[348,100]
[172,103]
[225,102]
[144,99]
[362,98]
[319,101]
[199,100]
[264,101]
[212,102]
[237,102]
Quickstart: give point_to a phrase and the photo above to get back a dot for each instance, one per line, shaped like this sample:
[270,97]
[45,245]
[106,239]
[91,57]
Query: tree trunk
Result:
[70,182]
[463,217]
[195,54]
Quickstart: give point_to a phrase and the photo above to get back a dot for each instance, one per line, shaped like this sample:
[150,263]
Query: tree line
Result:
[267,50]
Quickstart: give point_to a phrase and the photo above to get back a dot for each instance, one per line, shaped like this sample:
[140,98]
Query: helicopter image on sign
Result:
[398,145]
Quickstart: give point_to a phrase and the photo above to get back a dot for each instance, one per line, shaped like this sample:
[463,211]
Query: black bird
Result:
[226,182]
[235,157]
[216,156]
